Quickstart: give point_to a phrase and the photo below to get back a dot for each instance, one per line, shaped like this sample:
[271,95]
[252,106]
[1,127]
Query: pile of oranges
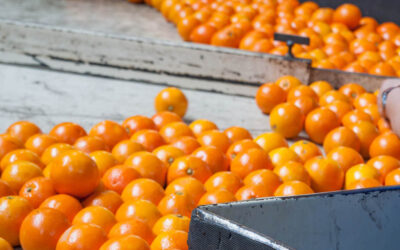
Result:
[134,185]
[339,39]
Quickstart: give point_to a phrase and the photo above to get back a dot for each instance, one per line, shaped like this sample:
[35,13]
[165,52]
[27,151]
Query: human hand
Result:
[392,110]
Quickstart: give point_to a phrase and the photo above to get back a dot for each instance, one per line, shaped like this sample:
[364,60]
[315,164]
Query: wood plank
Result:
[48,97]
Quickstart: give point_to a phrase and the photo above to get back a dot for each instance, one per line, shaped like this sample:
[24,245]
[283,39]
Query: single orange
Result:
[74,173]
[108,199]
[393,178]
[22,130]
[216,196]
[270,141]
[53,151]
[341,136]
[305,149]
[287,119]
[385,144]
[240,146]
[125,148]
[288,82]
[143,189]
[132,227]
[249,161]
[263,177]
[283,155]
[163,118]
[331,96]
[175,130]
[345,157]
[340,108]
[236,133]
[223,180]
[187,144]
[362,171]
[136,123]
[37,190]
[366,133]
[176,203]
[268,96]
[348,14]
[67,132]
[252,191]
[292,171]
[148,166]
[20,155]
[168,154]
[199,126]
[319,123]
[384,164]
[42,228]
[89,144]
[148,138]
[171,99]
[188,166]
[187,185]
[292,188]
[352,90]
[213,157]
[141,210]
[174,239]
[66,204]
[16,174]
[117,177]
[321,87]
[95,215]
[326,174]
[110,131]
[171,222]
[82,236]
[215,138]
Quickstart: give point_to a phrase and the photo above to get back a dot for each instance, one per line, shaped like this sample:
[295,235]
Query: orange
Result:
[236,133]
[107,199]
[305,149]
[132,227]
[136,123]
[348,14]
[67,132]
[141,210]
[240,146]
[369,58]
[16,174]
[186,26]
[5,189]
[104,160]
[373,111]
[168,154]
[283,155]
[188,166]
[292,171]
[215,138]
[174,239]
[352,90]
[364,183]
[286,119]
[228,36]
[366,133]
[4,245]
[95,215]
[175,130]
[393,178]
[361,171]
[385,144]
[321,87]
[270,141]
[355,116]
[89,144]
[223,180]
[326,174]
[163,118]
[249,161]
[319,123]
[340,108]
[20,155]
[306,104]
[125,148]
[74,173]
[22,130]
[331,96]
[253,191]
[323,14]
[36,190]
[82,236]
[345,157]
[148,138]
[216,196]
[341,136]
[301,91]
[53,151]
[384,164]
[8,143]
[288,82]
[203,33]
[143,189]
[125,242]
[251,38]
[42,228]
[292,188]
[383,125]
[369,22]
[199,126]
[39,142]
[171,222]
[13,210]
[263,177]
[187,144]
[383,69]
[176,203]
[66,204]
[110,131]
[187,185]
[116,178]
[148,166]
[355,67]
[171,99]
[213,157]
[268,96]
[364,100]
